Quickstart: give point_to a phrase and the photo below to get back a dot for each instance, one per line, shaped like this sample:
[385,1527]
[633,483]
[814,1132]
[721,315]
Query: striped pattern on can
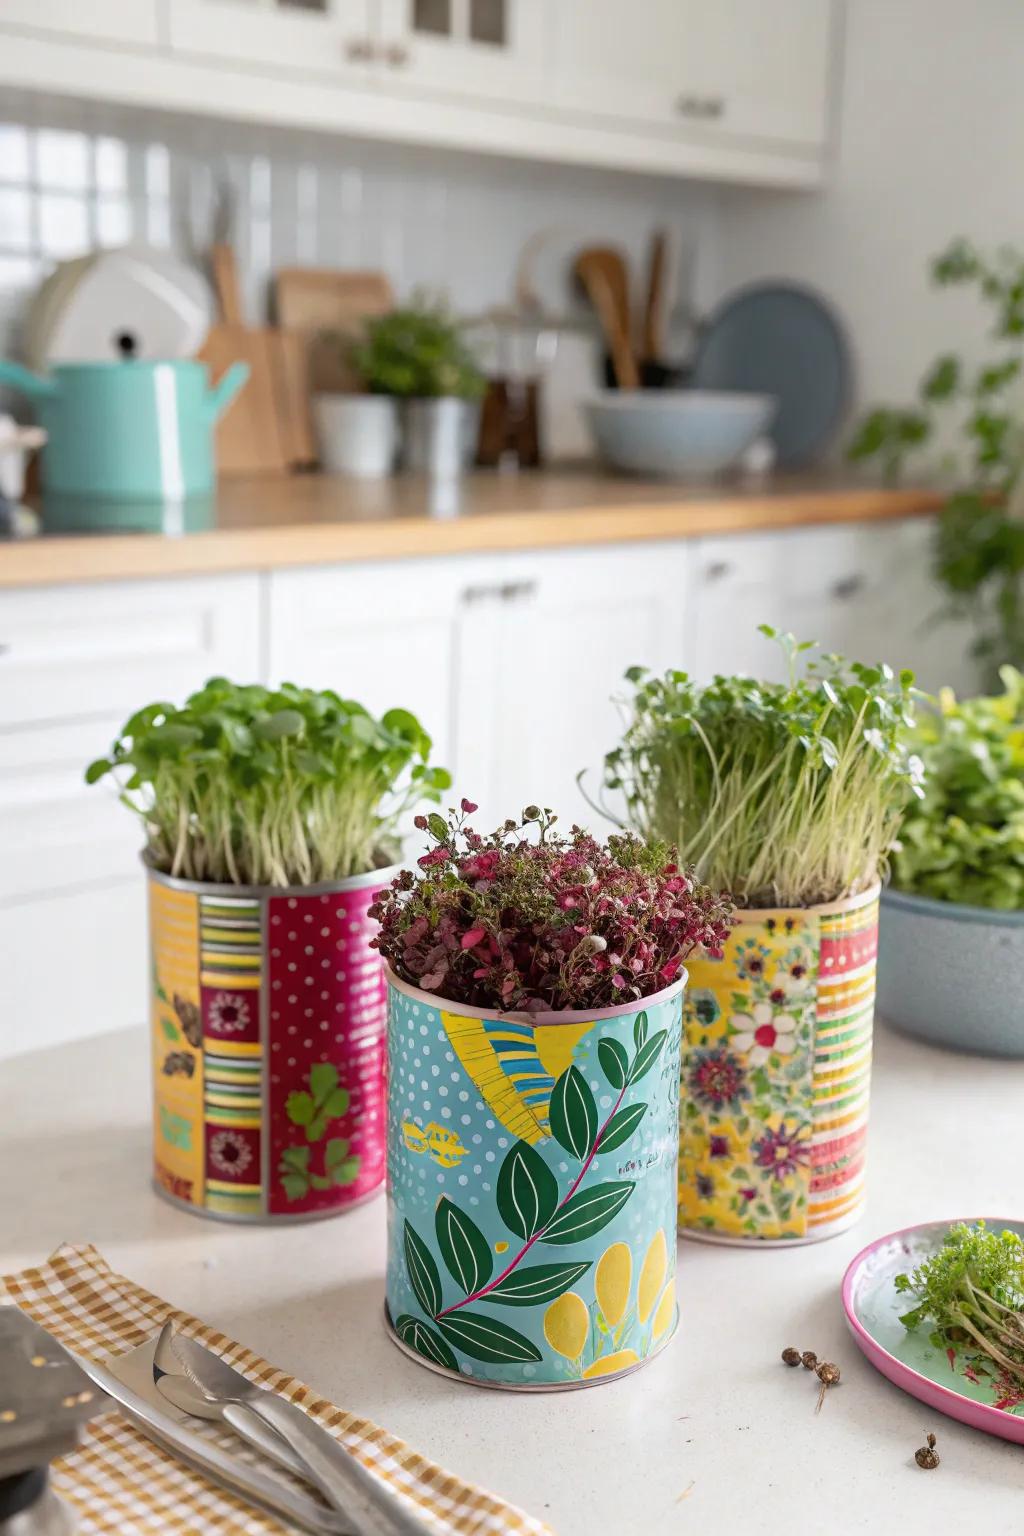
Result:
[231,942]
[842,1064]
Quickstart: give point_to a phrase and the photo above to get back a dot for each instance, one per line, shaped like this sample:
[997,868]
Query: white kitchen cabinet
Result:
[488,50]
[862,590]
[118,21]
[322,37]
[74,663]
[709,68]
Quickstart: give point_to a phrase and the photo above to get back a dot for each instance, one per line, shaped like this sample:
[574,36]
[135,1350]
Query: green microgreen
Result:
[247,785]
[971,1292]
[786,794]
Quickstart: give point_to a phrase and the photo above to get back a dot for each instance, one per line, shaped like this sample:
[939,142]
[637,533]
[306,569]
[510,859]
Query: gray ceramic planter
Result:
[952,975]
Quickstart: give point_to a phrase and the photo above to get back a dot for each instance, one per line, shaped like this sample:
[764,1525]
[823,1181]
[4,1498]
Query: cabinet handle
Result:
[485,592]
[713,107]
[717,570]
[515,591]
[700,106]
[359,50]
[687,106]
[847,587]
[396,55]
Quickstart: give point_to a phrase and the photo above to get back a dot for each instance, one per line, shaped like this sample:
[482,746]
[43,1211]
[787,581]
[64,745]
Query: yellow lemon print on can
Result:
[609,1364]
[566,1324]
[612,1282]
[652,1275]
[666,1311]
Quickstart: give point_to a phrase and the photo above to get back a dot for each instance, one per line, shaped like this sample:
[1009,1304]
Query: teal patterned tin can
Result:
[532,1188]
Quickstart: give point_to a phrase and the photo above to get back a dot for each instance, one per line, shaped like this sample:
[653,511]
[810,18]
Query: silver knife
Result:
[238,1476]
[373,1508]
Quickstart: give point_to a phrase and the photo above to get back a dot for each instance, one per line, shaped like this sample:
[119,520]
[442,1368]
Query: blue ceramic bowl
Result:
[952,975]
[676,433]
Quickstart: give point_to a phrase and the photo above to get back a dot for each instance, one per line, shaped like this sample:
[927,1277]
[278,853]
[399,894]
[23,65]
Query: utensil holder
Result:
[268,1026]
[531,1188]
[776,1070]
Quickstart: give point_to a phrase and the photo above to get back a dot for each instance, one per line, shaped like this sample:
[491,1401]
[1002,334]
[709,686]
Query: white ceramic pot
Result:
[357,434]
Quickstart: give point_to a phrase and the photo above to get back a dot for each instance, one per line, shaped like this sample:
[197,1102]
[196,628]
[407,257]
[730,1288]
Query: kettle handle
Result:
[29,383]
[226,388]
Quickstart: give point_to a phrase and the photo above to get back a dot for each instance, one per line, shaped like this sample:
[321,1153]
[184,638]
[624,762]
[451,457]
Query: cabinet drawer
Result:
[72,653]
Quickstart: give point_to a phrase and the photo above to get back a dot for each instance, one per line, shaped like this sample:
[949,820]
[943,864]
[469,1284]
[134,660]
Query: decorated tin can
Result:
[532,1188]
[776,1071]
[268,1019]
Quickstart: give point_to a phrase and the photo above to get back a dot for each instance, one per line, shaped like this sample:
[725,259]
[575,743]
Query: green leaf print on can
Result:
[423,1272]
[614,1059]
[573,1114]
[425,1341]
[527,1191]
[465,1250]
[587,1212]
[488,1339]
[536,1284]
[621,1127]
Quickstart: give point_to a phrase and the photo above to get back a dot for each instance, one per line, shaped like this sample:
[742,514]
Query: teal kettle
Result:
[128,431]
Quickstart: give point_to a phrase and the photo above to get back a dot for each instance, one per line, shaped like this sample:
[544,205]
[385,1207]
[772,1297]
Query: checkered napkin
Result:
[122,1484]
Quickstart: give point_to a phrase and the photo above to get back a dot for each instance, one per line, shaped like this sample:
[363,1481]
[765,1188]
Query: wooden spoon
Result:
[652,340]
[603,274]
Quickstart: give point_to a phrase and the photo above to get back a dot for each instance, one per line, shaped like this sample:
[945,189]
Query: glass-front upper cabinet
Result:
[322,37]
[485,50]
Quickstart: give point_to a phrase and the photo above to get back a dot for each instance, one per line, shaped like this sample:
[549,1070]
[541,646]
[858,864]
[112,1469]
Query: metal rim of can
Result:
[554,1017]
[382,876]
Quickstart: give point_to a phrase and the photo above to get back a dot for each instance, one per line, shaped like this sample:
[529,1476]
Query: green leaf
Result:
[573,1114]
[299,1108]
[170,1029]
[295,1185]
[647,1056]
[587,1212]
[438,826]
[339,1165]
[316,1127]
[423,1272]
[284,722]
[527,1191]
[640,1029]
[465,1250]
[296,1158]
[621,1127]
[97,769]
[535,1284]
[425,1341]
[614,1061]
[337,1104]
[487,1339]
[323,1079]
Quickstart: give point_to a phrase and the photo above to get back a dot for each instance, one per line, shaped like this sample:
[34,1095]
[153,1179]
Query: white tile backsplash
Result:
[73,176]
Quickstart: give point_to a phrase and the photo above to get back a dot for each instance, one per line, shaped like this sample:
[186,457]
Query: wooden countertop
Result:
[266,523]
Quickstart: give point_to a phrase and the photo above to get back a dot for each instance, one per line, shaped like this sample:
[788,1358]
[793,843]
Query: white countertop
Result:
[716,1435]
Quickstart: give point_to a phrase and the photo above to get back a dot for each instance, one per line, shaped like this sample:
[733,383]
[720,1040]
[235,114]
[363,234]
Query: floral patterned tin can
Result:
[776,1070]
[532,1188]
[268,1022]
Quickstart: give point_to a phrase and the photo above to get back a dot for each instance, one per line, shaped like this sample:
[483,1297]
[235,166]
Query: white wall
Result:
[930,144]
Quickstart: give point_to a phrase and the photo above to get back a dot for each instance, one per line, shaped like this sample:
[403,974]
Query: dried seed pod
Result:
[926,1456]
[809,1359]
[791,1356]
[827,1373]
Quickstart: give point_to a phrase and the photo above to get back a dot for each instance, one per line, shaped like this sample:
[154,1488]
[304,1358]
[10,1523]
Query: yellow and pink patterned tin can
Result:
[776,1071]
[268,1021]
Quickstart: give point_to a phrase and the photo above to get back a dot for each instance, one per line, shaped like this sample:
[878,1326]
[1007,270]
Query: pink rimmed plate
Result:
[873,1307]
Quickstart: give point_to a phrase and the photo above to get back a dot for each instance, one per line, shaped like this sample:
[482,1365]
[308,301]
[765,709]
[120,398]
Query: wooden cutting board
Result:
[249,437]
[291,392]
[312,301]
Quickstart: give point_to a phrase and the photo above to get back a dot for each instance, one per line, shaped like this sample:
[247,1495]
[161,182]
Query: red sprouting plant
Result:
[513,922]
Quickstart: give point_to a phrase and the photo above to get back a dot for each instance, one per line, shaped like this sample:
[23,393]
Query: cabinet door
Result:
[120,21]
[617,66]
[757,71]
[490,50]
[864,591]
[324,37]
[568,625]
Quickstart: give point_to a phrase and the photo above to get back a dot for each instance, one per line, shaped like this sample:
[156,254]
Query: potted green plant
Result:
[271,820]
[534,1022]
[418,355]
[790,795]
[951,963]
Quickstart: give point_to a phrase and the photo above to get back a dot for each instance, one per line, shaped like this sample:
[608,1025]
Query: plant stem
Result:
[538,1235]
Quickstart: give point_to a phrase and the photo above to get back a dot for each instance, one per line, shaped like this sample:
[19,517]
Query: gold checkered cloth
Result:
[123,1485]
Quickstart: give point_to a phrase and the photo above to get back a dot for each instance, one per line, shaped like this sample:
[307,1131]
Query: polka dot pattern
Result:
[326,1005]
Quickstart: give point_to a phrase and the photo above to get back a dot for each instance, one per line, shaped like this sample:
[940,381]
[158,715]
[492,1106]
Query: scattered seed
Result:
[926,1456]
[791,1356]
[828,1375]
[809,1359]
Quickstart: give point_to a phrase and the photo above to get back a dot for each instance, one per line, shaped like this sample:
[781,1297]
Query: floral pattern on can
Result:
[531,1182]
[775,1075]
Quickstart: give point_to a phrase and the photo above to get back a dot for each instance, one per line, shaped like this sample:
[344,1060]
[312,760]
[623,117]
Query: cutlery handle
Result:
[373,1507]
[261,1437]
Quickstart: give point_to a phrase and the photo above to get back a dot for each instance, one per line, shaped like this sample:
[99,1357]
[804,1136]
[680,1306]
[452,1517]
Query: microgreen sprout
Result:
[246,785]
[971,1292]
